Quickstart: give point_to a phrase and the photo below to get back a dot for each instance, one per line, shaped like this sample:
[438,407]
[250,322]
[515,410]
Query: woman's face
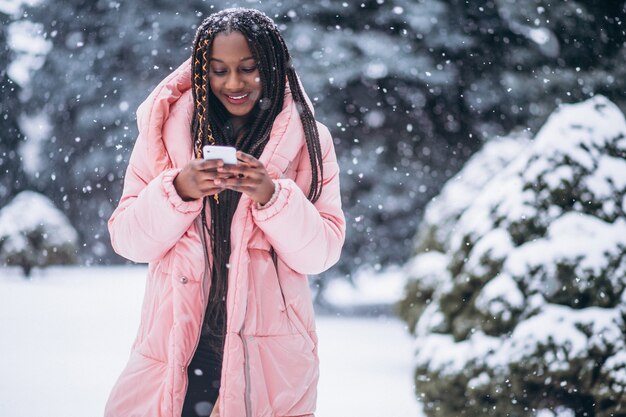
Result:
[234,74]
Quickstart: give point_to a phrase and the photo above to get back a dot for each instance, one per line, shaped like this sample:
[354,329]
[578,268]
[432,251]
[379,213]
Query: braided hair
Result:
[210,125]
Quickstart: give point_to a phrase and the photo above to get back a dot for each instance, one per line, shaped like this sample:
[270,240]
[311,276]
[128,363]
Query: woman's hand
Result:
[249,176]
[197,179]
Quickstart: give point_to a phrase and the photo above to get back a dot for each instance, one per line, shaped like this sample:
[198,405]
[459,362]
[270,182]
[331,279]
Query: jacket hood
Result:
[154,112]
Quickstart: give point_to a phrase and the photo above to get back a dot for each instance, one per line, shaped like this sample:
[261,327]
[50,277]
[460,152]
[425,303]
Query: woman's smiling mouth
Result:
[238,99]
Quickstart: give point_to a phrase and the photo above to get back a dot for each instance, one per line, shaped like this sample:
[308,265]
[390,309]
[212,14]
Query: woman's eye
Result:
[248,70]
[218,72]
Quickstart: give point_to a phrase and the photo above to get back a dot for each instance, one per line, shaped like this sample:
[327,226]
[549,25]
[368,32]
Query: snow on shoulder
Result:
[528,308]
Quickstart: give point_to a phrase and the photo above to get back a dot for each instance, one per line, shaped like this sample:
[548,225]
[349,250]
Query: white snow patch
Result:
[540,36]
[370,288]
[430,321]
[499,295]
[559,176]
[37,129]
[30,47]
[439,353]
[460,191]
[14,7]
[580,239]
[615,367]
[496,244]
[557,412]
[429,268]
[482,379]
[608,177]
[560,326]
[88,319]
[29,211]
[589,125]
[376,70]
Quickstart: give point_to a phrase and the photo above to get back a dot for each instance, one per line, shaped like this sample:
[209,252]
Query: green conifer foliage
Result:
[12,179]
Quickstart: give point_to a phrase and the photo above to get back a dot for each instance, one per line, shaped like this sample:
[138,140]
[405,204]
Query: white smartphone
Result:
[228,154]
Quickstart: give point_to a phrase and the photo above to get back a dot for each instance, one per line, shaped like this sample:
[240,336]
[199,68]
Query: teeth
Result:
[239,97]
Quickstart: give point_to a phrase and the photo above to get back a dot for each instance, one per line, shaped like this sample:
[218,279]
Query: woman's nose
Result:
[233,81]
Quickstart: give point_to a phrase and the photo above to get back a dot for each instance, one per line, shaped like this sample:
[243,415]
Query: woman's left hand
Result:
[249,176]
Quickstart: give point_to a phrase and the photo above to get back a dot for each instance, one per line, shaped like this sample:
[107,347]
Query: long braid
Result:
[210,125]
[200,96]
[308,122]
[310,128]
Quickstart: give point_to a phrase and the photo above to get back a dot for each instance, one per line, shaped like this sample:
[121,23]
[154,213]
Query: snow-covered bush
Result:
[517,292]
[34,233]
[428,267]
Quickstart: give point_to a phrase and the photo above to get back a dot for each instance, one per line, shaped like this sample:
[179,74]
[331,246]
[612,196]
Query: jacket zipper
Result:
[248,404]
[246,366]
[246,361]
[247,399]
[203,294]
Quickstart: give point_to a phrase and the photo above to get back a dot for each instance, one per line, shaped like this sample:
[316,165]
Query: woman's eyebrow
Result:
[242,59]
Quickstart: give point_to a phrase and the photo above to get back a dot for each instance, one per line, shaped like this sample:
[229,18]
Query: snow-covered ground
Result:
[66,334]
[371,288]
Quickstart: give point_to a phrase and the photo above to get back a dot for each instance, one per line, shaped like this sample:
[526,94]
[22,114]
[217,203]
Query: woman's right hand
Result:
[196,179]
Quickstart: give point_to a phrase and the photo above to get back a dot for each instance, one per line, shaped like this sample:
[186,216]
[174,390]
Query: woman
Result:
[227,308]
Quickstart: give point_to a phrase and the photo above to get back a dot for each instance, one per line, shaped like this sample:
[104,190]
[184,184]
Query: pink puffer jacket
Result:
[271,365]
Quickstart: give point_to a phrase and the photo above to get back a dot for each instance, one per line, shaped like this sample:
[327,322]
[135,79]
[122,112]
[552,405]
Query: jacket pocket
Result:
[157,314]
[284,373]
[294,319]
[149,303]
[290,311]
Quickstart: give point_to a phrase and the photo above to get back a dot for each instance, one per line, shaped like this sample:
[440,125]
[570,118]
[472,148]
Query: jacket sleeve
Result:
[151,216]
[307,237]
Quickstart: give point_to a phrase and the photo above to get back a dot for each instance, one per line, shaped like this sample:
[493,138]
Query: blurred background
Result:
[411,90]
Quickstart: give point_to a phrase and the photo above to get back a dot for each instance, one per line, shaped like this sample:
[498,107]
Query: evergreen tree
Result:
[517,292]
[412,88]
[106,58]
[12,178]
